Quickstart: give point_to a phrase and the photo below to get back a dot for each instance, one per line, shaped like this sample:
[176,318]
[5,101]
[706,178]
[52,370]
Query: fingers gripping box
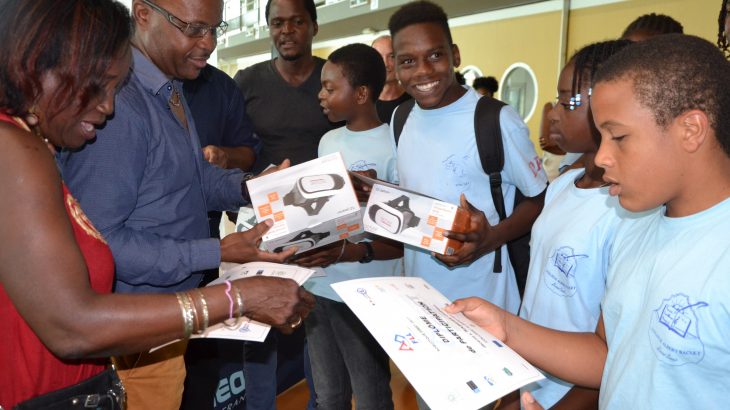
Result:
[413,219]
[312,204]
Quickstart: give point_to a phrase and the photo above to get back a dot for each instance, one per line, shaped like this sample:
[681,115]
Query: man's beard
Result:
[293,57]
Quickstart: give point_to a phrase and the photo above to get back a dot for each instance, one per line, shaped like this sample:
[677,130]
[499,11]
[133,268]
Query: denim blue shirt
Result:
[146,187]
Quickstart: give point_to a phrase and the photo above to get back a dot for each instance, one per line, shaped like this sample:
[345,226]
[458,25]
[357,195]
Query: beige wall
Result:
[535,39]
[494,46]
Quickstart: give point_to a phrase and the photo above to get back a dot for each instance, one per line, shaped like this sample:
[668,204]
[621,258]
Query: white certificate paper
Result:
[449,360]
[250,329]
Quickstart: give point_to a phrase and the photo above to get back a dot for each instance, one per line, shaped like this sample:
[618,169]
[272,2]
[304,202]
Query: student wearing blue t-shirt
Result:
[438,157]
[572,235]
[663,109]
[346,359]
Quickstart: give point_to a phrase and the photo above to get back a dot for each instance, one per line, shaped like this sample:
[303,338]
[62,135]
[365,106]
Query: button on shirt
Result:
[144,184]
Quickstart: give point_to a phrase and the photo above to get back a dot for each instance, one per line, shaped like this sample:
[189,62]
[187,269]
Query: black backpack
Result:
[491,154]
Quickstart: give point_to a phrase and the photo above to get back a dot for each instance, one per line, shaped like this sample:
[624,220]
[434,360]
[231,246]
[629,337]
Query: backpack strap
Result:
[399,118]
[491,153]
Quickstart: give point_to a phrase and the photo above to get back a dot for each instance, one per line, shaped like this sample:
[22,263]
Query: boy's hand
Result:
[529,402]
[486,315]
[243,247]
[481,238]
[363,190]
[284,164]
[322,257]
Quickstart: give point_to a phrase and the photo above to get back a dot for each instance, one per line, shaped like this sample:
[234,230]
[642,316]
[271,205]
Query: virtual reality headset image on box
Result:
[313,191]
[303,241]
[394,216]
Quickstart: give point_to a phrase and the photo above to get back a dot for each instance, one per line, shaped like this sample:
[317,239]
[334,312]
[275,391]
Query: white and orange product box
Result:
[412,218]
[312,204]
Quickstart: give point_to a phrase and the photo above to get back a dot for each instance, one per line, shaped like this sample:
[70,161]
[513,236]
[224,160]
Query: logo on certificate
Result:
[406,342]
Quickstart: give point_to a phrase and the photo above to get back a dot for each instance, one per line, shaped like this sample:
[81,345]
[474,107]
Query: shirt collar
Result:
[149,75]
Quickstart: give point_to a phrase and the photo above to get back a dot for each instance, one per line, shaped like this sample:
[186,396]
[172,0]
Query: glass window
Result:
[518,88]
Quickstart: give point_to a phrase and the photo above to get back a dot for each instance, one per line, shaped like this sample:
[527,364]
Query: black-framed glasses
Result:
[193,30]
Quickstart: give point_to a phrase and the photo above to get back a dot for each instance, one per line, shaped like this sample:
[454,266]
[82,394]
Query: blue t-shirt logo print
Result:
[674,331]
[560,272]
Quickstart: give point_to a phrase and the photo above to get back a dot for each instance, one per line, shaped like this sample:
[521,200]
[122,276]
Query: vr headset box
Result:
[412,218]
[312,204]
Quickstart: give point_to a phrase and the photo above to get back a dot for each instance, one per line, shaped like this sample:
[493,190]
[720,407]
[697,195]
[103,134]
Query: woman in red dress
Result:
[62,61]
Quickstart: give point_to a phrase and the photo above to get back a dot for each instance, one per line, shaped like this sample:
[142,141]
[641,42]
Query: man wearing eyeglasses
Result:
[145,184]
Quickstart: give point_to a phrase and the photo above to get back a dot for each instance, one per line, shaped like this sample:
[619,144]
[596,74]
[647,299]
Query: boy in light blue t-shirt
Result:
[663,109]
[345,358]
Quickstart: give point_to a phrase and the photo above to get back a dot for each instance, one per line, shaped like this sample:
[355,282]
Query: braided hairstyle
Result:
[721,36]
[652,25]
[586,62]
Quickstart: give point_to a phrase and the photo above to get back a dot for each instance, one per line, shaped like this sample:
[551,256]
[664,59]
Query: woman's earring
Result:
[32,118]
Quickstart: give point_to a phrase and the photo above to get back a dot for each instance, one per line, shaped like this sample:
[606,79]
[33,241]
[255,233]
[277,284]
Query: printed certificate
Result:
[250,329]
[449,360]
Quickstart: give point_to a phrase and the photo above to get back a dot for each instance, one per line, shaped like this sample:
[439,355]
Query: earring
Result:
[32,118]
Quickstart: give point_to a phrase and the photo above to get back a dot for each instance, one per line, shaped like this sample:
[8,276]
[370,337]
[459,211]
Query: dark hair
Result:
[419,12]
[675,73]
[76,40]
[460,79]
[488,83]
[721,38]
[361,65]
[308,4]
[586,62]
[653,24]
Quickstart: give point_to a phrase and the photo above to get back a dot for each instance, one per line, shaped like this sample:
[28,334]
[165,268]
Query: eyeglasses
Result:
[189,29]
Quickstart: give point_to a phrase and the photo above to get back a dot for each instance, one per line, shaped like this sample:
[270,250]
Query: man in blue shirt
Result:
[146,187]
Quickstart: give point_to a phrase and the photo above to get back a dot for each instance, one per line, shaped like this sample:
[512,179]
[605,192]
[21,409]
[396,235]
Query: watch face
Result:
[390,221]
[317,185]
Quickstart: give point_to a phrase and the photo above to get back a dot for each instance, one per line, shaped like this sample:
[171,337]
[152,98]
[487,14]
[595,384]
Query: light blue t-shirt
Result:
[361,150]
[438,157]
[568,263]
[667,313]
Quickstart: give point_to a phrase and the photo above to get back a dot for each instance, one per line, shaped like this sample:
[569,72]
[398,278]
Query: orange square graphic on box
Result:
[341,227]
[274,196]
[353,227]
[432,220]
[438,234]
[344,235]
[278,216]
[265,210]
[426,241]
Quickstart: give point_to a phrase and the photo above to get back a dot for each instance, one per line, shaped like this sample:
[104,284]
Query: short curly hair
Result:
[675,73]
[362,65]
[419,12]
[308,5]
[488,83]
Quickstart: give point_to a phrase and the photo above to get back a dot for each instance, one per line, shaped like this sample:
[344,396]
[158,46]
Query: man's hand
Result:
[362,190]
[480,239]
[486,315]
[243,247]
[275,301]
[215,156]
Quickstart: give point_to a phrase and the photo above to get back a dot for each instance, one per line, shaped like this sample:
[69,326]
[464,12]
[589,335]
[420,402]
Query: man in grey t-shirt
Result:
[281,100]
